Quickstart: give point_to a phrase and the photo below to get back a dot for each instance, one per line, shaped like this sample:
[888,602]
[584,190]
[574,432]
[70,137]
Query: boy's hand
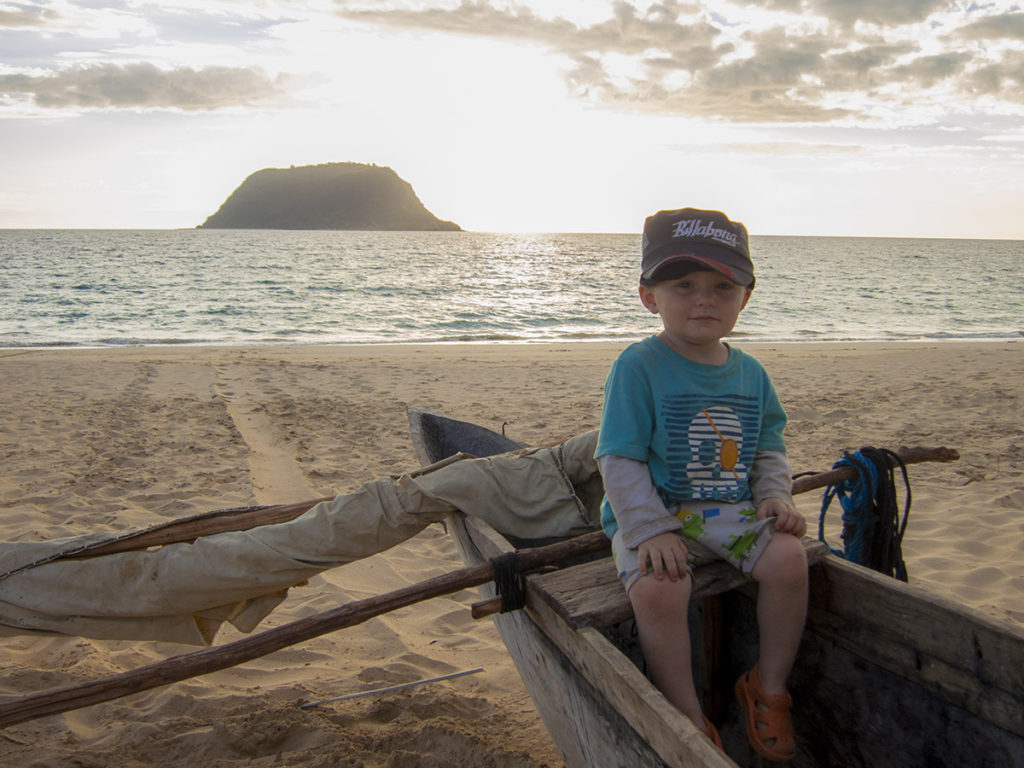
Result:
[787,519]
[663,554]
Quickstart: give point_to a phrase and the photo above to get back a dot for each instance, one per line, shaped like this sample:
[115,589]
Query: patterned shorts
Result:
[713,531]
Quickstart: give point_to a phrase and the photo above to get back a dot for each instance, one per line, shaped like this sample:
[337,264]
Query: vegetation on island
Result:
[326,196]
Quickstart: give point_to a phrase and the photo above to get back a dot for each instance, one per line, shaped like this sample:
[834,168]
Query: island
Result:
[326,196]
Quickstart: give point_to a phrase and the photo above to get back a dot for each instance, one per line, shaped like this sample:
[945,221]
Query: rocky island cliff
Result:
[327,196]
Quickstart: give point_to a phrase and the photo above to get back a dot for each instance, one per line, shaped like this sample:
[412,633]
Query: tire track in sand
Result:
[276,475]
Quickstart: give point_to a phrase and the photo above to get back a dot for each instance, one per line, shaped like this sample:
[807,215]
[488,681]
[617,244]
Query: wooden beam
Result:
[907,456]
[591,594]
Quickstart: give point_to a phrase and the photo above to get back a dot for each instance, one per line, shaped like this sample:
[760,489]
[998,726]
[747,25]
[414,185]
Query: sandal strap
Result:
[772,701]
[711,732]
[775,702]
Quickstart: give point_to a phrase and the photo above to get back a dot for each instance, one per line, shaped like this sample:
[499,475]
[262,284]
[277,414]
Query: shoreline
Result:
[347,349]
[118,438]
[740,341]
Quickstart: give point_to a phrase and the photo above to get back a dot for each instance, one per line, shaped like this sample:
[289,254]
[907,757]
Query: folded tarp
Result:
[184,592]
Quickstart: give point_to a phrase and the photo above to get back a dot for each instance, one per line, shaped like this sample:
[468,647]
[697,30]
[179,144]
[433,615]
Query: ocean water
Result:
[118,287]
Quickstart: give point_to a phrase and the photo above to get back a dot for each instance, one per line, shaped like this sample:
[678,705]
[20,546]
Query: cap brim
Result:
[724,262]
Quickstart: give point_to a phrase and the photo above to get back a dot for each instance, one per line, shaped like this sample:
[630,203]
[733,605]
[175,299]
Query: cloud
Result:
[763,61]
[1005,26]
[928,71]
[880,12]
[119,31]
[802,149]
[770,61]
[22,16]
[626,31]
[143,85]
[1003,80]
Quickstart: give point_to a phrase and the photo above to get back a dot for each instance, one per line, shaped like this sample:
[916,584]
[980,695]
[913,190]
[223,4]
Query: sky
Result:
[798,117]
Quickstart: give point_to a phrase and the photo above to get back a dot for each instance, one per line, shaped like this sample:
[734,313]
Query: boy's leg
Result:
[660,607]
[781,573]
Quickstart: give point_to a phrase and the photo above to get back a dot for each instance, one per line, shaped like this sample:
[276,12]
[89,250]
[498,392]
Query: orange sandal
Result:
[712,733]
[769,726]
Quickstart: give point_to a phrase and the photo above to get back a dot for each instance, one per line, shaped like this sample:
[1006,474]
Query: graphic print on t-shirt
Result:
[710,447]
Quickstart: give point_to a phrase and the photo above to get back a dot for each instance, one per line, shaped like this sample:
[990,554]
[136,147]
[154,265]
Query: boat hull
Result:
[888,674]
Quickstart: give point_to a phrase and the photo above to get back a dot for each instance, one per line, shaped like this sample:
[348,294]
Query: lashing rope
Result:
[509,582]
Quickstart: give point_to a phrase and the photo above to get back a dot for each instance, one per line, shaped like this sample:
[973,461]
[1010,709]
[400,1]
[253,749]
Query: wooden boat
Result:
[888,674]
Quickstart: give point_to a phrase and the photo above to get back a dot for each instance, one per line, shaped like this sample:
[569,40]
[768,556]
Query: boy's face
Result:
[697,309]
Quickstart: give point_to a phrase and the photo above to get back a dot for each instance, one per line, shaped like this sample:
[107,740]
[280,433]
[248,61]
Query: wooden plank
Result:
[957,653]
[591,595]
[672,735]
[585,595]
[588,730]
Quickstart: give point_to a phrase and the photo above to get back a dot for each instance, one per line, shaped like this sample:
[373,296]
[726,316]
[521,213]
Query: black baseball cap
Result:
[704,239]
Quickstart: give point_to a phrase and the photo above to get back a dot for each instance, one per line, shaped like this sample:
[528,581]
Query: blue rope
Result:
[872,535]
[856,497]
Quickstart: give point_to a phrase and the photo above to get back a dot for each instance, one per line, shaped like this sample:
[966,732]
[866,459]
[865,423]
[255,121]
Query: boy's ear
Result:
[746,299]
[647,298]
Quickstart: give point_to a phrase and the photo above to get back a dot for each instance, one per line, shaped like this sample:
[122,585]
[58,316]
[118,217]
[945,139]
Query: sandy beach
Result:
[119,439]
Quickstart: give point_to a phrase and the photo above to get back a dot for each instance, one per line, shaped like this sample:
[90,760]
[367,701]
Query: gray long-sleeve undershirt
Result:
[640,512]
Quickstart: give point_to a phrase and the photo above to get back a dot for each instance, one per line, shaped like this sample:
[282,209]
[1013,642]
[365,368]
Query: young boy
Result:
[694,465]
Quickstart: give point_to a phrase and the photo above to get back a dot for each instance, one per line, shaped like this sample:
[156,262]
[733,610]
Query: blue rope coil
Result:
[872,531]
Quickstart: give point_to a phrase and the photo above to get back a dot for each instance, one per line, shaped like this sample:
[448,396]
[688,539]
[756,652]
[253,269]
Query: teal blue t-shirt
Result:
[696,426]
